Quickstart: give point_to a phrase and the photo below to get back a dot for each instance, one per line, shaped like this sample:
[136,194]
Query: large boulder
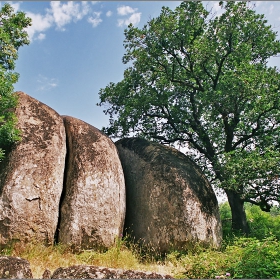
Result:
[14,268]
[93,203]
[170,203]
[31,176]
[96,272]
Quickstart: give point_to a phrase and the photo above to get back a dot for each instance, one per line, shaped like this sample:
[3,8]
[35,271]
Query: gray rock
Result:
[47,274]
[93,204]
[170,203]
[31,176]
[14,268]
[95,272]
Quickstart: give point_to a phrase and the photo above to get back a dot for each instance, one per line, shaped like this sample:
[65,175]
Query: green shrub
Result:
[208,264]
[259,259]
[244,258]
[225,214]
[262,224]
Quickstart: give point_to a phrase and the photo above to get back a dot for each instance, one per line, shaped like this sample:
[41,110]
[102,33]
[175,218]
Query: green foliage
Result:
[202,81]
[205,265]
[243,258]
[262,224]
[225,215]
[8,132]
[258,259]
[12,36]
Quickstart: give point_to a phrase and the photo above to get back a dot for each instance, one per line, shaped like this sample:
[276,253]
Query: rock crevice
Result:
[63,193]
[93,207]
[31,176]
[67,182]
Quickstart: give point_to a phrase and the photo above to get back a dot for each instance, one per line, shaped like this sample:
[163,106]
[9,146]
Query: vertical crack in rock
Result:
[63,193]
[93,204]
[31,175]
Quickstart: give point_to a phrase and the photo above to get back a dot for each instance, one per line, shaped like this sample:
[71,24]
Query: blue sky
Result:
[77,47]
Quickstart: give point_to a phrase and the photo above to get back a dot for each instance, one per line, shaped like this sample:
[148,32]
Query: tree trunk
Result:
[239,220]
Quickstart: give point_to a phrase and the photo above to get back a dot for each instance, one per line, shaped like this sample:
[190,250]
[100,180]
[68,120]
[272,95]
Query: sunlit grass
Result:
[43,257]
[238,258]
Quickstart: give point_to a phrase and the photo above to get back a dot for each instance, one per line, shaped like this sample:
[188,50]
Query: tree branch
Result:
[254,130]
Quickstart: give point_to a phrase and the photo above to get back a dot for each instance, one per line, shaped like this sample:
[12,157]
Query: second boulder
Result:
[170,203]
[93,203]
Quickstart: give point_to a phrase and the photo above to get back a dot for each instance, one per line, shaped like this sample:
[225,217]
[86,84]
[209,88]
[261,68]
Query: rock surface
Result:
[14,268]
[31,176]
[95,272]
[93,203]
[170,204]
[47,274]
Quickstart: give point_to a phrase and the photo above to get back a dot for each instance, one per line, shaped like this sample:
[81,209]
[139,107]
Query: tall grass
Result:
[256,257]
[241,258]
[121,255]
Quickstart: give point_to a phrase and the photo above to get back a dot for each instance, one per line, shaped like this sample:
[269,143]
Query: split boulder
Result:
[170,203]
[31,176]
[93,203]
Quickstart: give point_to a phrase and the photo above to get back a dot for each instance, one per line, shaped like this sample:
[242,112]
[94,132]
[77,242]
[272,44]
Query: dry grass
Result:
[43,257]
[240,258]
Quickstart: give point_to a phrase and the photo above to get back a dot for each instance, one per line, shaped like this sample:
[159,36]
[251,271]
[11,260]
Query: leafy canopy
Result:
[203,81]
[12,36]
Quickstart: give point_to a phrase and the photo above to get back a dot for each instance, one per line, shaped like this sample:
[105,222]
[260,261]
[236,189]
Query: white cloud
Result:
[271,8]
[125,10]
[59,15]
[109,13]
[46,83]
[85,9]
[15,6]
[134,19]
[63,13]
[41,36]
[39,23]
[258,3]
[214,7]
[96,20]
[121,22]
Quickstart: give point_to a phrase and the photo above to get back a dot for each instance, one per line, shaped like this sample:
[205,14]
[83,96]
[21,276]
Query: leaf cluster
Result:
[203,81]
[12,36]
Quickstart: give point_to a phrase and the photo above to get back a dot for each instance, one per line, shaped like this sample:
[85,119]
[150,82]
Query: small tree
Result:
[202,80]
[12,36]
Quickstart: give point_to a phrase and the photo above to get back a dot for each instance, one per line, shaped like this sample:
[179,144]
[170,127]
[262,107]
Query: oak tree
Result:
[203,81]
